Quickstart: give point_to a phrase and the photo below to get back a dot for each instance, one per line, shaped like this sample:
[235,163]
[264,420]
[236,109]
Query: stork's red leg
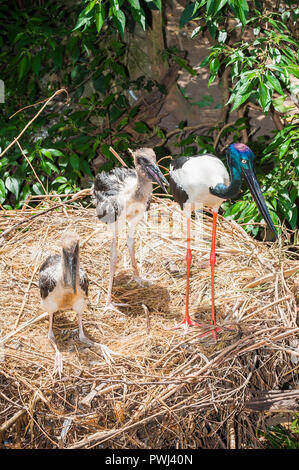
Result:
[187,320]
[212,263]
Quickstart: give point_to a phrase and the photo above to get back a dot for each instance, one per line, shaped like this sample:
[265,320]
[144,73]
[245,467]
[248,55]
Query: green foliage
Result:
[56,46]
[260,65]
[280,437]
[120,11]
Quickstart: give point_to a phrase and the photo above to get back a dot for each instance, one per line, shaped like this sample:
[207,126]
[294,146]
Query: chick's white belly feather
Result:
[62,298]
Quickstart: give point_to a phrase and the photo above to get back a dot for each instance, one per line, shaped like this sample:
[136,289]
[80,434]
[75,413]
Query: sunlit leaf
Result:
[13,185]
[100,17]
[275,83]
[2,192]
[119,20]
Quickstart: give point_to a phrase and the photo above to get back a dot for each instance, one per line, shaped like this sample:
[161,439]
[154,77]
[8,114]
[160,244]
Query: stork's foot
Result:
[58,364]
[86,340]
[185,324]
[107,353]
[113,307]
[143,281]
[214,332]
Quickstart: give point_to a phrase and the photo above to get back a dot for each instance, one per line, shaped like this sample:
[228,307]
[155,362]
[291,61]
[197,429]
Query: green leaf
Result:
[240,99]
[22,67]
[100,17]
[75,161]
[108,100]
[284,148]
[84,167]
[241,10]
[213,6]
[36,63]
[263,95]
[13,185]
[2,192]
[196,31]
[139,16]
[50,168]
[119,20]
[105,150]
[47,153]
[55,152]
[25,192]
[245,85]
[157,3]
[294,70]
[184,64]
[135,4]
[119,69]
[60,179]
[214,67]
[141,127]
[190,12]
[85,18]
[222,36]
[37,188]
[293,218]
[275,83]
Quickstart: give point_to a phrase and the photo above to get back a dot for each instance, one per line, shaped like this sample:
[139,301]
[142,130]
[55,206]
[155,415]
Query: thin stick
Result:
[12,420]
[29,163]
[147,318]
[62,90]
[26,295]
[118,157]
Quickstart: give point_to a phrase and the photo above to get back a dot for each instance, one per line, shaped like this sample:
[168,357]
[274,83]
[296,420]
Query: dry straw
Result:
[162,389]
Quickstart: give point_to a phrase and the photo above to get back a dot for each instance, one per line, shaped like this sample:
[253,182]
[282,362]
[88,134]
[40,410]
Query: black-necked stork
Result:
[64,285]
[124,194]
[203,179]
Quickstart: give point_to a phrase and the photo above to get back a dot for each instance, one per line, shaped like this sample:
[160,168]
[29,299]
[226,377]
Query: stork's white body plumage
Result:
[197,175]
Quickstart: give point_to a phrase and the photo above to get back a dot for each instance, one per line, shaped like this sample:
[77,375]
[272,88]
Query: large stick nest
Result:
[162,388]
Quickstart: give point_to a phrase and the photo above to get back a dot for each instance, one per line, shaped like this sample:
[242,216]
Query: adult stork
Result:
[203,179]
[124,194]
[64,285]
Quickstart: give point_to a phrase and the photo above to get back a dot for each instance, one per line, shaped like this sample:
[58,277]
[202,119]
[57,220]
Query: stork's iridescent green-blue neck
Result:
[239,157]
[240,161]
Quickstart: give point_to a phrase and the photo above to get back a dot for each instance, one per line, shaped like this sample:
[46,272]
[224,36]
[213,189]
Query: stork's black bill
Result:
[156,174]
[71,261]
[258,197]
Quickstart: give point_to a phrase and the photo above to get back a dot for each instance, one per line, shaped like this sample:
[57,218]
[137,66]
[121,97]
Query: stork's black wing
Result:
[179,195]
[48,275]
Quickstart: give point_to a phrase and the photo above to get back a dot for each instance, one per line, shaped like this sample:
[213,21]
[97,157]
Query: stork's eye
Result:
[244,161]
